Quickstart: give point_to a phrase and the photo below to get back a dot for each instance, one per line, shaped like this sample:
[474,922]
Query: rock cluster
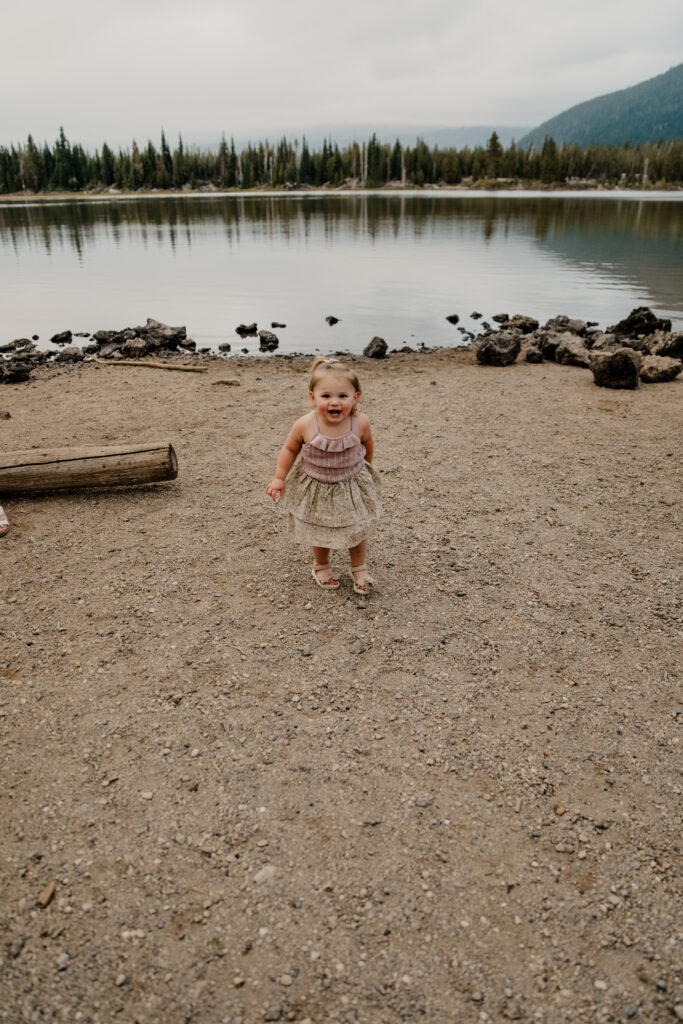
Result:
[641,347]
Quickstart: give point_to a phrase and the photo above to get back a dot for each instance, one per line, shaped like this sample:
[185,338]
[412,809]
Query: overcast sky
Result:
[126,69]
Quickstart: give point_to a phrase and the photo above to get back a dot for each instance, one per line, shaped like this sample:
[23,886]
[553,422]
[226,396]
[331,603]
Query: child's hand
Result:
[275,489]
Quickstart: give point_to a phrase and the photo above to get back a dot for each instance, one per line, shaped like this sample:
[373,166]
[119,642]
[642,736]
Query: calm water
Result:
[389,264]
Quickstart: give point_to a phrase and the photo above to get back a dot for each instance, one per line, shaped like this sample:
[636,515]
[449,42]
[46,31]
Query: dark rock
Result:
[498,349]
[4,415]
[331,320]
[660,369]
[548,341]
[571,351]
[225,347]
[61,339]
[666,344]
[110,351]
[406,348]
[486,325]
[476,316]
[18,343]
[81,334]
[72,354]
[500,318]
[108,338]
[276,326]
[565,323]
[615,369]
[90,350]
[533,354]
[189,345]
[35,337]
[453,318]
[639,321]
[376,349]
[135,348]
[246,330]
[15,372]
[268,341]
[603,342]
[520,322]
[171,337]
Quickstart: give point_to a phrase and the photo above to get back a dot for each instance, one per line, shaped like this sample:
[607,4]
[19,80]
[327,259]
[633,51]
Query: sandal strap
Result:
[317,568]
[357,568]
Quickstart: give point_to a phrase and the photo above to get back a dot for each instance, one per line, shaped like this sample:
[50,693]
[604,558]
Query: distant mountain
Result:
[646,112]
[344,134]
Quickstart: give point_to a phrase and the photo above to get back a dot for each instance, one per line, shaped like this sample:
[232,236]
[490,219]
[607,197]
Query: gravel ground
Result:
[229,797]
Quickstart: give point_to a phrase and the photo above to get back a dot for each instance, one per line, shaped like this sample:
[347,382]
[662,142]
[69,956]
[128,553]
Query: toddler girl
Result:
[331,492]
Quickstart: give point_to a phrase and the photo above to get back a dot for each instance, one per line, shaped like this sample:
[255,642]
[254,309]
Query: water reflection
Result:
[378,257]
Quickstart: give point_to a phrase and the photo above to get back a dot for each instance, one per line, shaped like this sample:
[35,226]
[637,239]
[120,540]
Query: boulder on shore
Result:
[563,324]
[71,354]
[616,369]
[571,351]
[500,348]
[533,354]
[520,322]
[660,369]
[665,343]
[639,321]
[376,349]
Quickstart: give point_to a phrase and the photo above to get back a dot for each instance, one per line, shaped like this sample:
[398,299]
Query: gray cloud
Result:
[125,71]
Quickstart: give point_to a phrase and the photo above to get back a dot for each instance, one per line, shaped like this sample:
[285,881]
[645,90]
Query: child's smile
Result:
[334,398]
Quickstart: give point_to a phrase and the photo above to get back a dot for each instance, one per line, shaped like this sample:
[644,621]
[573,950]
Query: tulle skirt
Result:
[337,515]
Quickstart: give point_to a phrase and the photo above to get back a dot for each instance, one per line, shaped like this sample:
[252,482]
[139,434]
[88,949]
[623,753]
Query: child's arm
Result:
[366,436]
[288,454]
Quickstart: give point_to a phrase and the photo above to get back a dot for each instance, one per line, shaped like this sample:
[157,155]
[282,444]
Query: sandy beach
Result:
[229,797]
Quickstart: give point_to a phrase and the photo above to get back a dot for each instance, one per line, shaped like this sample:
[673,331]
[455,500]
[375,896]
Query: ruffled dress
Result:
[331,492]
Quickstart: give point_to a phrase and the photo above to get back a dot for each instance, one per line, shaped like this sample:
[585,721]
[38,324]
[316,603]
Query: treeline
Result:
[293,164]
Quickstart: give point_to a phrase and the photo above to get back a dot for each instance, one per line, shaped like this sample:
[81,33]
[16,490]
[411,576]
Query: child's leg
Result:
[362,577]
[324,575]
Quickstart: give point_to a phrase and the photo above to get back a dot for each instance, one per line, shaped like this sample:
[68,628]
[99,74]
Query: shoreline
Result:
[535,190]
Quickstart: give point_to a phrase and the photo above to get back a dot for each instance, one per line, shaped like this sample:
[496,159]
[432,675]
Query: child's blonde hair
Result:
[324,364]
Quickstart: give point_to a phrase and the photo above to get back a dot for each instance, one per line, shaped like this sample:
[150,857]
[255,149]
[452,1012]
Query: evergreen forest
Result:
[68,167]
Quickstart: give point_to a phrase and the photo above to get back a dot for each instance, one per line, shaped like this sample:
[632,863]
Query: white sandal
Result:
[4,522]
[357,589]
[315,569]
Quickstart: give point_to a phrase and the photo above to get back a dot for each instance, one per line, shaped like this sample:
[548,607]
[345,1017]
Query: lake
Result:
[388,264]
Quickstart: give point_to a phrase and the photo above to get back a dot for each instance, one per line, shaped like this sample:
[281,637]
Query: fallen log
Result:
[60,468]
[152,363]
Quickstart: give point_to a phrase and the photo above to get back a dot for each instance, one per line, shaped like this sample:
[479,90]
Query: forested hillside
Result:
[647,112]
[67,167]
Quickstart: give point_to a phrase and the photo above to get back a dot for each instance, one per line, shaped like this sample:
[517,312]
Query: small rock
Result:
[5,415]
[268,341]
[520,322]
[331,320]
[453,318]
[266,874]
[245,330]
[63,338]
[500,318]
[147,794]
[72,354]
[533,354]
[273,1013]
[276,326]
[678,1011]
[659,369]
[46,895]
[225,346]
[376,349]
[62,961]
[229,382]
[476,316]
[121,979]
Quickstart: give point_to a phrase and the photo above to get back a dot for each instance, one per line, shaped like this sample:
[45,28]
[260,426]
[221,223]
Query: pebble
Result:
[62,961]
[147,794]
[121,979]
[46,895]
[678,1011]
[267,872]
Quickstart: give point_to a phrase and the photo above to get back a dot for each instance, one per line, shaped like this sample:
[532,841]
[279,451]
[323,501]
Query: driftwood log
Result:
[152,364]
[60,468]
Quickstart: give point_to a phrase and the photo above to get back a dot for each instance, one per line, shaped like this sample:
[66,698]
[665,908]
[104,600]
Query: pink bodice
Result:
[332,459]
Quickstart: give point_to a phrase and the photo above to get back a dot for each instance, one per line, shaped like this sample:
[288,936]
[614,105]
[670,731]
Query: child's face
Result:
[333,398]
